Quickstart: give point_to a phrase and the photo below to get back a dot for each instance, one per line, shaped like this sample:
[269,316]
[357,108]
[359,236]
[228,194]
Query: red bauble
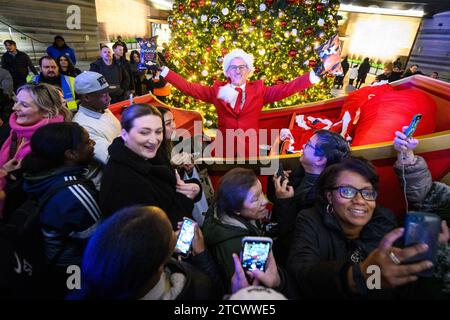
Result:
[312,63]
[253,21]
[193,4]
[208,49]
[257,69]
[319,7]
[213,41]
[283,23]
[236,25]
[189,32]
[227,25]
[202,61]
[292,53]
[181,7]
[201,3]
[269,2]
[268,34]
[224,51]
[309,31]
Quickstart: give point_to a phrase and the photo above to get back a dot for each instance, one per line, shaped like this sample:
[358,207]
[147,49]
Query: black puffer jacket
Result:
[130,180]
[320,254]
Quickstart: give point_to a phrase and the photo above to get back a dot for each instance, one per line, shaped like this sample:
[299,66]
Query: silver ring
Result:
[394,258]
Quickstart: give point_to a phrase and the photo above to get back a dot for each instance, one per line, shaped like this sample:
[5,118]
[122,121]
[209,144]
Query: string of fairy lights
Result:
[281,35]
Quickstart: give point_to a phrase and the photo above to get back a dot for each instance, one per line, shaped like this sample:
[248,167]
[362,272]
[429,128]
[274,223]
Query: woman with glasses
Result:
[338,243]
[238,101]
[295,191]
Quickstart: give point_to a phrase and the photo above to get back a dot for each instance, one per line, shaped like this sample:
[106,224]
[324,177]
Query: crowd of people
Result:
[392,71]
[79,187]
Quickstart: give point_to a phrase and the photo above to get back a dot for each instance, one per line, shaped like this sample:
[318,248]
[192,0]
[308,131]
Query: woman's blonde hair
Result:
[48,99]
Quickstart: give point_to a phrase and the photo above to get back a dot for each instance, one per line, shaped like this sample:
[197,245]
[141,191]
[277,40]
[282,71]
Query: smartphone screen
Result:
[422,227]
[413,125]
[255,254]
[185,237]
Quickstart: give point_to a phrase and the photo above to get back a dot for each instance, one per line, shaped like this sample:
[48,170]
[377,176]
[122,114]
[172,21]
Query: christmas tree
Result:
[281,35]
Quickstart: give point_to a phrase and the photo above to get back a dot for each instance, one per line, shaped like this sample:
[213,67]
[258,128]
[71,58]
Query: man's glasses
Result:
[317,151]
[241,68]
[349,192]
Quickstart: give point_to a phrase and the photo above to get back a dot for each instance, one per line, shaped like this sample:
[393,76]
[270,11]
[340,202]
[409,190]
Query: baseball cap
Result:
[89,82]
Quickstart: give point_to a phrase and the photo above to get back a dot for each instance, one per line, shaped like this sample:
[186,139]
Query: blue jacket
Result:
[69,217]
[55,53]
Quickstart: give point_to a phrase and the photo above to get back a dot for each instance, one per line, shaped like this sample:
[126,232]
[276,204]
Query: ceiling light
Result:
[378,10]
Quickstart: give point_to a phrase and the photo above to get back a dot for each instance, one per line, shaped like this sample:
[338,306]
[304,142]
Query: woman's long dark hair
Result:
[233,189]
[71,71]
[49,144]
[131,56]
[168,144]
[124,254]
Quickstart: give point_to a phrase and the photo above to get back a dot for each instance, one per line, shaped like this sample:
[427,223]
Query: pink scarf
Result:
[24,134]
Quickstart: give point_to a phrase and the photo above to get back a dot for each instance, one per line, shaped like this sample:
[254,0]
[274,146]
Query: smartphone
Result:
[413,125]
[280,173]
[421,227]
[185,237]
[255,251]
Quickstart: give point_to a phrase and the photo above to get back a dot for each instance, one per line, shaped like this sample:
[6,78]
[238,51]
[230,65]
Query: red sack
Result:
[384,114]
[354,102]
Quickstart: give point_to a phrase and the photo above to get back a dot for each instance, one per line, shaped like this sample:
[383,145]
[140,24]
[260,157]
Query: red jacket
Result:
[256,96]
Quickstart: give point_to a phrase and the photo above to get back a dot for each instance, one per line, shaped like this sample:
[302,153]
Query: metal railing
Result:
[22,43]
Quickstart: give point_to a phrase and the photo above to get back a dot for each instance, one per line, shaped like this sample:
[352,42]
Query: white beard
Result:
[227,93]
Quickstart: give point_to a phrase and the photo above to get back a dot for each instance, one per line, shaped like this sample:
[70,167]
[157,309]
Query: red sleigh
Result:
[434,147]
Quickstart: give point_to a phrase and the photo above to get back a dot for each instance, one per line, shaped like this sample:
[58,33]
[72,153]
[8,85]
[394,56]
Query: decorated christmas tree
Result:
[281,35]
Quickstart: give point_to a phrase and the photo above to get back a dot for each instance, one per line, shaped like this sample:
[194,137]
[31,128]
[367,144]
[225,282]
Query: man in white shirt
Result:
[93,114]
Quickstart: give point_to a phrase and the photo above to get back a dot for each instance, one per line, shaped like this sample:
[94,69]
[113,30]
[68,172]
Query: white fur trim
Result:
[228,94]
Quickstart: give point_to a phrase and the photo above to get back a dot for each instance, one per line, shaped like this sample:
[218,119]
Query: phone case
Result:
[421,227]
[185,237]
[413,125]
[255,252]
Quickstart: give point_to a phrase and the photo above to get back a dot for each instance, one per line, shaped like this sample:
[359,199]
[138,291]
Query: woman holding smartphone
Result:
[138,171]
[338,243]
[236,213]
[238,208]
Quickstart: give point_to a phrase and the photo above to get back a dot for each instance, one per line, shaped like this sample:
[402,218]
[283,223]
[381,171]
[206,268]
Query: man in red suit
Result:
[239,102]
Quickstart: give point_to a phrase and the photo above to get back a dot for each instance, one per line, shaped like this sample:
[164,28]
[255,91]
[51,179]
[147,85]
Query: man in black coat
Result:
[17,63]
[116,75]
